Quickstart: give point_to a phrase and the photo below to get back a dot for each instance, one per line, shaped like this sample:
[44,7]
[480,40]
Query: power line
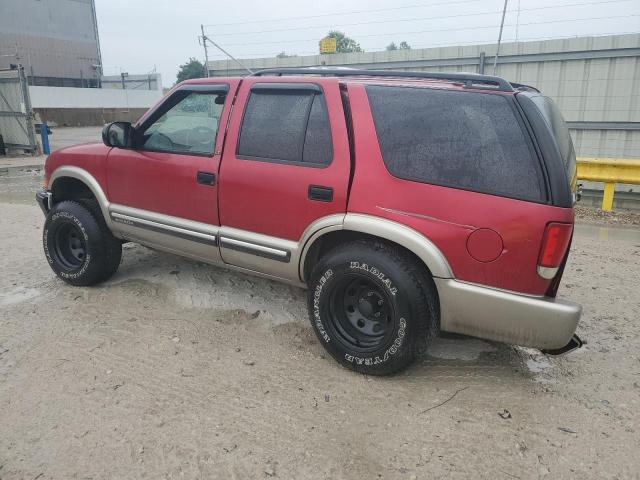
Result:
[438,30]
[447,44]
[352,12]
[438,17]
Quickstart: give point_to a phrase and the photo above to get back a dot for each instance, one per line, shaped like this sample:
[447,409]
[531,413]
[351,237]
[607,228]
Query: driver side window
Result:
[189,126]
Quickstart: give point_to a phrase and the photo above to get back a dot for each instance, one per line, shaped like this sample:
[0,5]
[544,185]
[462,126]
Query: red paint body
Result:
[271,198]
[166,182]
[447,216]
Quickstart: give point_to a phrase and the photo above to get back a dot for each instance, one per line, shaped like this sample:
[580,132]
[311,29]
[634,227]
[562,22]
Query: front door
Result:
[163,191]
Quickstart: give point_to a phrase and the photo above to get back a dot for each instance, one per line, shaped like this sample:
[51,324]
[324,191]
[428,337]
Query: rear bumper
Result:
[509,317]
[43,197]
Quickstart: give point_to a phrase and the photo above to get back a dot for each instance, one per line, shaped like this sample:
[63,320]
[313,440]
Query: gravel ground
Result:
[600,217]
[175,369]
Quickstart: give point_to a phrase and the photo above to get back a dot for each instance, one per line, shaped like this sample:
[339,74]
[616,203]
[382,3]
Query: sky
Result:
[141,36]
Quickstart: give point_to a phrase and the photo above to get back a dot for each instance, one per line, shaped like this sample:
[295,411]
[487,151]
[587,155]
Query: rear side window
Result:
[558,127]
[286,126]
[472,141]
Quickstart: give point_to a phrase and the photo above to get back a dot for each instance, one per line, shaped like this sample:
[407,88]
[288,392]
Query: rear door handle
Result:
[320,194]
[206,178]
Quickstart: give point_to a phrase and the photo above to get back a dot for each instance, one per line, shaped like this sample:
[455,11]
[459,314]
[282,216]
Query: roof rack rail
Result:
[469,79]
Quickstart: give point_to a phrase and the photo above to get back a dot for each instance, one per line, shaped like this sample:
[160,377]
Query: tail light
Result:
[555,243]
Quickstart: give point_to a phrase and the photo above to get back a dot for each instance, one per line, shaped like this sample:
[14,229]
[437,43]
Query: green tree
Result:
[192,69]
[344,43]
[284,54]
[403,46]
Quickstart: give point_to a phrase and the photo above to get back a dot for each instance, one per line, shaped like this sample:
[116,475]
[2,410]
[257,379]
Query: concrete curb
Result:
[15,168]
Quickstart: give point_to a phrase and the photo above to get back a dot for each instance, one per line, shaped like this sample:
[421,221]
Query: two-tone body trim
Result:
[164,228]
[465,308]
[89,180]
[256,249]
[278,257]
[503,316]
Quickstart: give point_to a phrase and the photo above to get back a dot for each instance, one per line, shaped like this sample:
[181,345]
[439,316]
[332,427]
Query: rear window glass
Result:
[465,140]
[286,126]
[558,126]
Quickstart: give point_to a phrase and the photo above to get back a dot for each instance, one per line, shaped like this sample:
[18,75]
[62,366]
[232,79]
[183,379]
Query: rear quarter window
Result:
[472,141]
[557,125]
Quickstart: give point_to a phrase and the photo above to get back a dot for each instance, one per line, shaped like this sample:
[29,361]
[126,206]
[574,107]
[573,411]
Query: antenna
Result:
[204,43]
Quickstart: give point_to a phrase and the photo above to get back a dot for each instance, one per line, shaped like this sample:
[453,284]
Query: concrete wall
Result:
[90,106]
[594,80]
[54,38]
[150,81]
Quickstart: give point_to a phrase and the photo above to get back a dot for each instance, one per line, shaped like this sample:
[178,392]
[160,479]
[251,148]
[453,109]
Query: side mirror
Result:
[117,134]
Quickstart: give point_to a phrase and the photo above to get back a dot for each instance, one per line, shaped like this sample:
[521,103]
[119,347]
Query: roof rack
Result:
[469,79]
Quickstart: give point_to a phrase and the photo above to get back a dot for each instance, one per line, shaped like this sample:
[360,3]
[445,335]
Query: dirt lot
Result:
[61,137]
[175,369]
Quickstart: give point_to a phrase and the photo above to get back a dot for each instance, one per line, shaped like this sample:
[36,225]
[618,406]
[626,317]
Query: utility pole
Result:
[206,39]
[206,52]
[495,60]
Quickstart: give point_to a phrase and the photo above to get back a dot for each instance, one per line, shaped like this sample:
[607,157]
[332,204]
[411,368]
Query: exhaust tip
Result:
[573,344]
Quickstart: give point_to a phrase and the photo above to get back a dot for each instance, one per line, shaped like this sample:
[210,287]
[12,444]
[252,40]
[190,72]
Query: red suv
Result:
[406,202]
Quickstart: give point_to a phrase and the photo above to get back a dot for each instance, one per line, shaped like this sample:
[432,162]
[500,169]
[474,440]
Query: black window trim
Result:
[208,88]
[560,193]
[531,145]
[283,88]
[533,140]
[292,87]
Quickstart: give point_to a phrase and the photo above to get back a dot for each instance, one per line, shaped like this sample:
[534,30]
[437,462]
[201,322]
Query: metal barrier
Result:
[610,171]
[16,114]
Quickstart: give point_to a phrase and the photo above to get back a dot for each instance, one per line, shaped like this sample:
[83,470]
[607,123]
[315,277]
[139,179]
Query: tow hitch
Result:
[573,344]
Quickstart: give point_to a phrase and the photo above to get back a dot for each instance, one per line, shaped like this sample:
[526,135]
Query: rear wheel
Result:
[371,307]
[78,245]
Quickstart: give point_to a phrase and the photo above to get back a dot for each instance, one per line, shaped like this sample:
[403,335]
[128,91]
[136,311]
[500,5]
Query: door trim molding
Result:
[256,249]
[183,233]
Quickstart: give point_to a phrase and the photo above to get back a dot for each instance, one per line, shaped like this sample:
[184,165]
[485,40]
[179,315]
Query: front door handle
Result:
[320,194]
[206,178]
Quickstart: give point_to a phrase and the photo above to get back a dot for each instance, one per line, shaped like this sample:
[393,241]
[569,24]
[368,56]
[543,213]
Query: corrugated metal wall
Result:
[594,80]
[54,38]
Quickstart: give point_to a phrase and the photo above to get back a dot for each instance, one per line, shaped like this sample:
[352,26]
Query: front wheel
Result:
[78,245]
[371,307]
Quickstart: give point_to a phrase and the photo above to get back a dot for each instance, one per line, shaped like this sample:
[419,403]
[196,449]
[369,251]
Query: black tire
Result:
[78,245]
[371,307]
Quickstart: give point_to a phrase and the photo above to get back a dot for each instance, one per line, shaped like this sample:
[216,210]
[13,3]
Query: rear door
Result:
[286,165]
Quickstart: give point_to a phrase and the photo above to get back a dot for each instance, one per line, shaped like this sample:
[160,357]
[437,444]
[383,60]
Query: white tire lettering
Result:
[392,350]
[316,304]
[376,273]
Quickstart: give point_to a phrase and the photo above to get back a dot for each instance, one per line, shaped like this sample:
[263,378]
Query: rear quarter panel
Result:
[447,216]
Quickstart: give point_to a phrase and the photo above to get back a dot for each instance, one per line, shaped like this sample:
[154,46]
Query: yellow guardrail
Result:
[610,171]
